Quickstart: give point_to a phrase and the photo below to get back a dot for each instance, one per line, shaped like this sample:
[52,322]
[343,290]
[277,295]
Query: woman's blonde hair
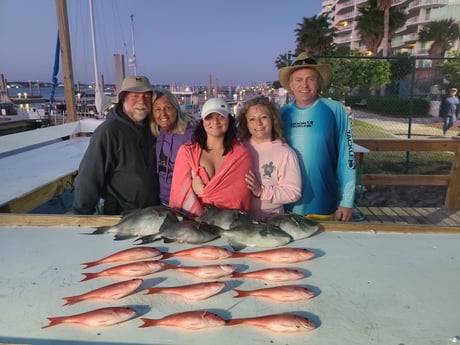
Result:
[273,112]
[182,119]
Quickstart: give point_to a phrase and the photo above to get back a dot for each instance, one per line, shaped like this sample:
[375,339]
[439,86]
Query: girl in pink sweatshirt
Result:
[275,178]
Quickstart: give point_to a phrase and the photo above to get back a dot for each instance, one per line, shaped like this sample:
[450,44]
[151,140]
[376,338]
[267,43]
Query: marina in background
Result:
[30,101]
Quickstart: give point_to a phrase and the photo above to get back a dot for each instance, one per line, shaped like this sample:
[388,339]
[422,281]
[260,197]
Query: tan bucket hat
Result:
[304,61]
[134,84]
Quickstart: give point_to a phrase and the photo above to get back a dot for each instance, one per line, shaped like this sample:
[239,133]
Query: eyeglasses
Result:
[307,61]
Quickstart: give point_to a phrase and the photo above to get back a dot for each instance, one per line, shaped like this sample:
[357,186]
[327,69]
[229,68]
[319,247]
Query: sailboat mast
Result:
[133,58]
[98,90]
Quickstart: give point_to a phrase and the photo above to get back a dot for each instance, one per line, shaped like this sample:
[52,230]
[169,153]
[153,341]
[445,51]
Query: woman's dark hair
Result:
[200,136]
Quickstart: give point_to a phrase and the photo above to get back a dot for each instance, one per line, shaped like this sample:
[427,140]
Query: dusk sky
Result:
[176,41]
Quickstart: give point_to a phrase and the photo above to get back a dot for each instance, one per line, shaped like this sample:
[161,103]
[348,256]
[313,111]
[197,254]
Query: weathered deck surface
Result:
[409,215]
[378,219]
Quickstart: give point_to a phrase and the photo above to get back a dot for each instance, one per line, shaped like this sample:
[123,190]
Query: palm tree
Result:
[385,5]
[315,35]
[443,33]
[371,23]
[283,60]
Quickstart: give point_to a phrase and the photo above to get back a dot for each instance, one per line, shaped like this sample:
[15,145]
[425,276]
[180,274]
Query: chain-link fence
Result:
[394,97]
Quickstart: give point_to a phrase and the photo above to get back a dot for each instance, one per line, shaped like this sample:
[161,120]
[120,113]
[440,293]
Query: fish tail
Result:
[89,276]
[167,255]
[238,255]
[167,266]
[152,291]
[90,264]
[101,230]
[54,321]
[238,274]
[233,322]
[148,322]
[240,293]
[72,300]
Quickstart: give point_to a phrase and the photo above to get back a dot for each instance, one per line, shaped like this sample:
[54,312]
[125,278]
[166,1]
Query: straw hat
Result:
[304,61]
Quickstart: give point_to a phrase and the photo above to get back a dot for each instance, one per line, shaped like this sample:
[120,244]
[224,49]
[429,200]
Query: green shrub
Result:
[391,105]
[397,106]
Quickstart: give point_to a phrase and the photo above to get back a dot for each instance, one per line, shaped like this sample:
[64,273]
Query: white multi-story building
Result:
[419,13]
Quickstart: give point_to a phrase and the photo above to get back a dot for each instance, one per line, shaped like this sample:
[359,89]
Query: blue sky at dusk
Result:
[176,41]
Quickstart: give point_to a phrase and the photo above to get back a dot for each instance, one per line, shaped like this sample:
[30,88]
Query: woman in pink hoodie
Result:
[275,178]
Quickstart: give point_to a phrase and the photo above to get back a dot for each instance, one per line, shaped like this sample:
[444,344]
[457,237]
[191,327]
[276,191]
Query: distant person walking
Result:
[449,110]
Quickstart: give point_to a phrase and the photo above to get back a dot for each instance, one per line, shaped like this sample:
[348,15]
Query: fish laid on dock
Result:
[134,269]
[285,255]
[130,254]
[96,318]
[286,293]
[283,322]
[192,320]
[206,271]
[109,292]
[224,218]
[295,225]
[142,222]
[271,274]
[205,252]
[199,291]
[255,234]
[185,231]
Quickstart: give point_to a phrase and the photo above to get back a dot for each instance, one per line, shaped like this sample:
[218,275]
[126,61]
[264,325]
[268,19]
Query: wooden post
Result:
[66,53]
[453,188]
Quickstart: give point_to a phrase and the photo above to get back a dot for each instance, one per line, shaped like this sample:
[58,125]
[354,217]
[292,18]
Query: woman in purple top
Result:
[172,128]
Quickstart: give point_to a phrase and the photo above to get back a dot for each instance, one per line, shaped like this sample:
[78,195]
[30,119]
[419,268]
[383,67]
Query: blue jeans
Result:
[448,122]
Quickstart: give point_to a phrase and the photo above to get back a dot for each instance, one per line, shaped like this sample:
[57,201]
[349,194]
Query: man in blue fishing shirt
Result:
[319,131]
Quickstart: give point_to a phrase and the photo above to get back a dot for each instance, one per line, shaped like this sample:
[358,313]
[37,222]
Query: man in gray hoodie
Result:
[119,166]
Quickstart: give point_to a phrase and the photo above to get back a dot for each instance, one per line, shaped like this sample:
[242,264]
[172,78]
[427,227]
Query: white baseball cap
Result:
[215,105]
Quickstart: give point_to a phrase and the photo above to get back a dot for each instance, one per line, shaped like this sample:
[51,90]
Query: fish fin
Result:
[89,276]
[146,239]
[90,264]
[240,293]
[170,218]
[148,322]
[131,214]
[168,240]
[101,230]
[237,246]
[71,300]
[121,237]
[53,321]
[151,291]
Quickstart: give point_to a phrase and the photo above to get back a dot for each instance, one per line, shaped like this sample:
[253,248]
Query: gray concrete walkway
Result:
[421,127]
